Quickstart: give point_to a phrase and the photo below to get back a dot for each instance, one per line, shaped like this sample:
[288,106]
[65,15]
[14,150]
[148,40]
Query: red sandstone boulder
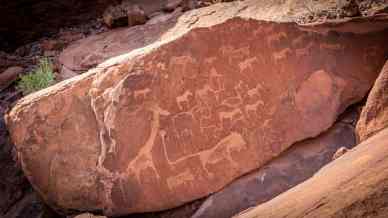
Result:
[179,119]
[354,185]
[374,116]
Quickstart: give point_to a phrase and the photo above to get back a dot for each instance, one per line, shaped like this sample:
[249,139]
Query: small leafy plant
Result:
[42,77]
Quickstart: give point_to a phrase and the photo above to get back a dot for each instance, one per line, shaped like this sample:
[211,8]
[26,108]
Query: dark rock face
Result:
[31,206]
[12,181]
[17,199]
[25,20]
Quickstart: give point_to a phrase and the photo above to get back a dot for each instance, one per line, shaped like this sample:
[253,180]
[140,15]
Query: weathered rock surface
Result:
[91,51]
[374,116]
[180,119]
[89,215]
[284,172]
[354,185]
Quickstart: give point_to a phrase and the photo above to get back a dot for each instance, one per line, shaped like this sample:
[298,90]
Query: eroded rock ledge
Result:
[185,116]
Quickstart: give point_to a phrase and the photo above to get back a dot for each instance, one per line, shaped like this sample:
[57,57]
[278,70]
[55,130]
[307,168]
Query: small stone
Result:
[114,16]
[49,45]
[136,16]
[88,215]
[341,151]
[348,8]
[171,5]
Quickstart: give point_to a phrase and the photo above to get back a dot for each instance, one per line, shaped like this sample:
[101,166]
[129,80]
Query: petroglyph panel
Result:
[180,120]
[235,105]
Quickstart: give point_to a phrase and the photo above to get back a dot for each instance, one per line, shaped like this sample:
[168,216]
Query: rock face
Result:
[289,169]
[374,116]
[91,51]
[26,20]
[180,119]
[340,152]
[352,186]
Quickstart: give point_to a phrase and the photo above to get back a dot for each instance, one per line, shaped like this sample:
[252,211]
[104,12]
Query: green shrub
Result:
[38,79]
